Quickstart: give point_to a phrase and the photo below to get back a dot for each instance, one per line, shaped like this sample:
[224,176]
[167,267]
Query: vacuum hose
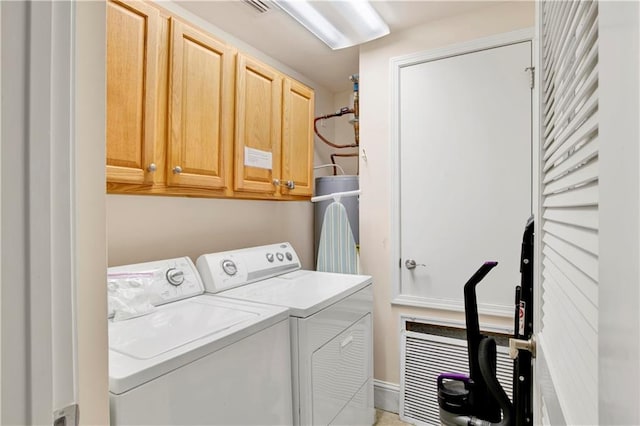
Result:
[487,361]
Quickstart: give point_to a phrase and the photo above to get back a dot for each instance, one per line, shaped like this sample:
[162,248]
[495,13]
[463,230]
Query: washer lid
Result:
[150,335]
[303,292]
[144,348]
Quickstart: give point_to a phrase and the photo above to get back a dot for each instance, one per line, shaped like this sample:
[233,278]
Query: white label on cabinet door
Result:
[257,158]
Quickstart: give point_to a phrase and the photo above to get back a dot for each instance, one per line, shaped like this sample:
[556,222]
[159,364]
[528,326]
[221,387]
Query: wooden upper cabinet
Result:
[132,70]
[201,85]
[297,138]
[189,115]
[258,126]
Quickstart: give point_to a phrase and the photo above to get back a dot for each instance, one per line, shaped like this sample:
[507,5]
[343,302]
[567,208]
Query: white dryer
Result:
[330,323]
[189,358]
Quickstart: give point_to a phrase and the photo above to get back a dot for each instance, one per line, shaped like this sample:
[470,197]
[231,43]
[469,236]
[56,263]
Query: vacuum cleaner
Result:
[478,399]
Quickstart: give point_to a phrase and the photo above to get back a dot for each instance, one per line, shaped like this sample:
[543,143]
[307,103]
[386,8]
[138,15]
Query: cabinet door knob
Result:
[289,184]
[177,170]
[152,167]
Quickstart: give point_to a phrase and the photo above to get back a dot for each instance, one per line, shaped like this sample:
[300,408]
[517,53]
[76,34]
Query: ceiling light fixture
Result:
[340,24]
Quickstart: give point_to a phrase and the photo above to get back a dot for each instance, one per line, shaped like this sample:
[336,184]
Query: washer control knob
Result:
[280,256]
[289,256]
[175,276]
[229,267]
[270,257]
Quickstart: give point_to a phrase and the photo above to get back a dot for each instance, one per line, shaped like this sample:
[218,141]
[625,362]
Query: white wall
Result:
[0,216]
[375,171]
[13,228]
[619,208]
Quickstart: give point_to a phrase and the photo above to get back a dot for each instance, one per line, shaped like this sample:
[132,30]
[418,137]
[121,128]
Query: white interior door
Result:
[464,175]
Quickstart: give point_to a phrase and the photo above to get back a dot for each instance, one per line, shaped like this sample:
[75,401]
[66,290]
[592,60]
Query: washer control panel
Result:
[229,269]
[154,283]
[175,276]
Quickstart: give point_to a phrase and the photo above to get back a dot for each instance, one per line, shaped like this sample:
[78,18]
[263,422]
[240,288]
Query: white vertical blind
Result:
[569,204]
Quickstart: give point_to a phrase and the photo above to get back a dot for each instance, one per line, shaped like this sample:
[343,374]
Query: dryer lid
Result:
[176,325]
[303,292]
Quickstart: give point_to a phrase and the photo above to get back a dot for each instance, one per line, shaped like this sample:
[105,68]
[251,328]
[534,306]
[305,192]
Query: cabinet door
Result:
[297,138]
[258,126]
[132,68]
[201,110]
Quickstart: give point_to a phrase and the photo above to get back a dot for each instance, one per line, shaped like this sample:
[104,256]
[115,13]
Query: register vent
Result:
[262,6]
[428,353]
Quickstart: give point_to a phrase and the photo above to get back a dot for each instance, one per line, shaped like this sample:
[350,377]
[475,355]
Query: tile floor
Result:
[384,418]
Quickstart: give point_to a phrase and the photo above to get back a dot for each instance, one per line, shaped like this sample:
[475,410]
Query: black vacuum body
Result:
[523,329]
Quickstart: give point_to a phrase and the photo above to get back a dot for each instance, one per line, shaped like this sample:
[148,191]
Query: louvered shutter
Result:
[568,336]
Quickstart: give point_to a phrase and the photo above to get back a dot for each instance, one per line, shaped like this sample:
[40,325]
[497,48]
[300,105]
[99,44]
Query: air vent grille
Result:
[425,357]
[261,6]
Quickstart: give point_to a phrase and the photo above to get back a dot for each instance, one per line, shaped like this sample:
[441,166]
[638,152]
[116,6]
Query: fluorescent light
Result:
[339,23]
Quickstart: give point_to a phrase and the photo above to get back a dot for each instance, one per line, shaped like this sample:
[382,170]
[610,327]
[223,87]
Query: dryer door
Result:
[339,370]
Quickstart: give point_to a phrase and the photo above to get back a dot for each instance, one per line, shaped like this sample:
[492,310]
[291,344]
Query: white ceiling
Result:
[277,35]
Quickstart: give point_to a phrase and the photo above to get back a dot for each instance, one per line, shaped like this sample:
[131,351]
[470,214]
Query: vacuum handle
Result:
[471,318]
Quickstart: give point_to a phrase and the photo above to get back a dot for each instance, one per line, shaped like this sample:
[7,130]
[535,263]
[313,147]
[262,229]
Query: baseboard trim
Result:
[386,396]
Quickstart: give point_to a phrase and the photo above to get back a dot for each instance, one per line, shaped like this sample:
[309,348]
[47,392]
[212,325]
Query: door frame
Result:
[54,245]
[396,65]
[39,192]
[37,211]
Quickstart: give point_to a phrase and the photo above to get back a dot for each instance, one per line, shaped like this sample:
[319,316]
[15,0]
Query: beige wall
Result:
[375,172]
[89,220]
[143,228]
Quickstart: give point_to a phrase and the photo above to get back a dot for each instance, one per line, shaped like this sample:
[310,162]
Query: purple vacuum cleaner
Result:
[479,399]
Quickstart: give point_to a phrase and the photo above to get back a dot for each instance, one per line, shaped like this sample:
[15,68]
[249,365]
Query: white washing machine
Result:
[189,358]
[330,323]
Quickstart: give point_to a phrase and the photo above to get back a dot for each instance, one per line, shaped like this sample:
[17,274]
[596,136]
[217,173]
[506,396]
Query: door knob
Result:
[411,264]
[177,170]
